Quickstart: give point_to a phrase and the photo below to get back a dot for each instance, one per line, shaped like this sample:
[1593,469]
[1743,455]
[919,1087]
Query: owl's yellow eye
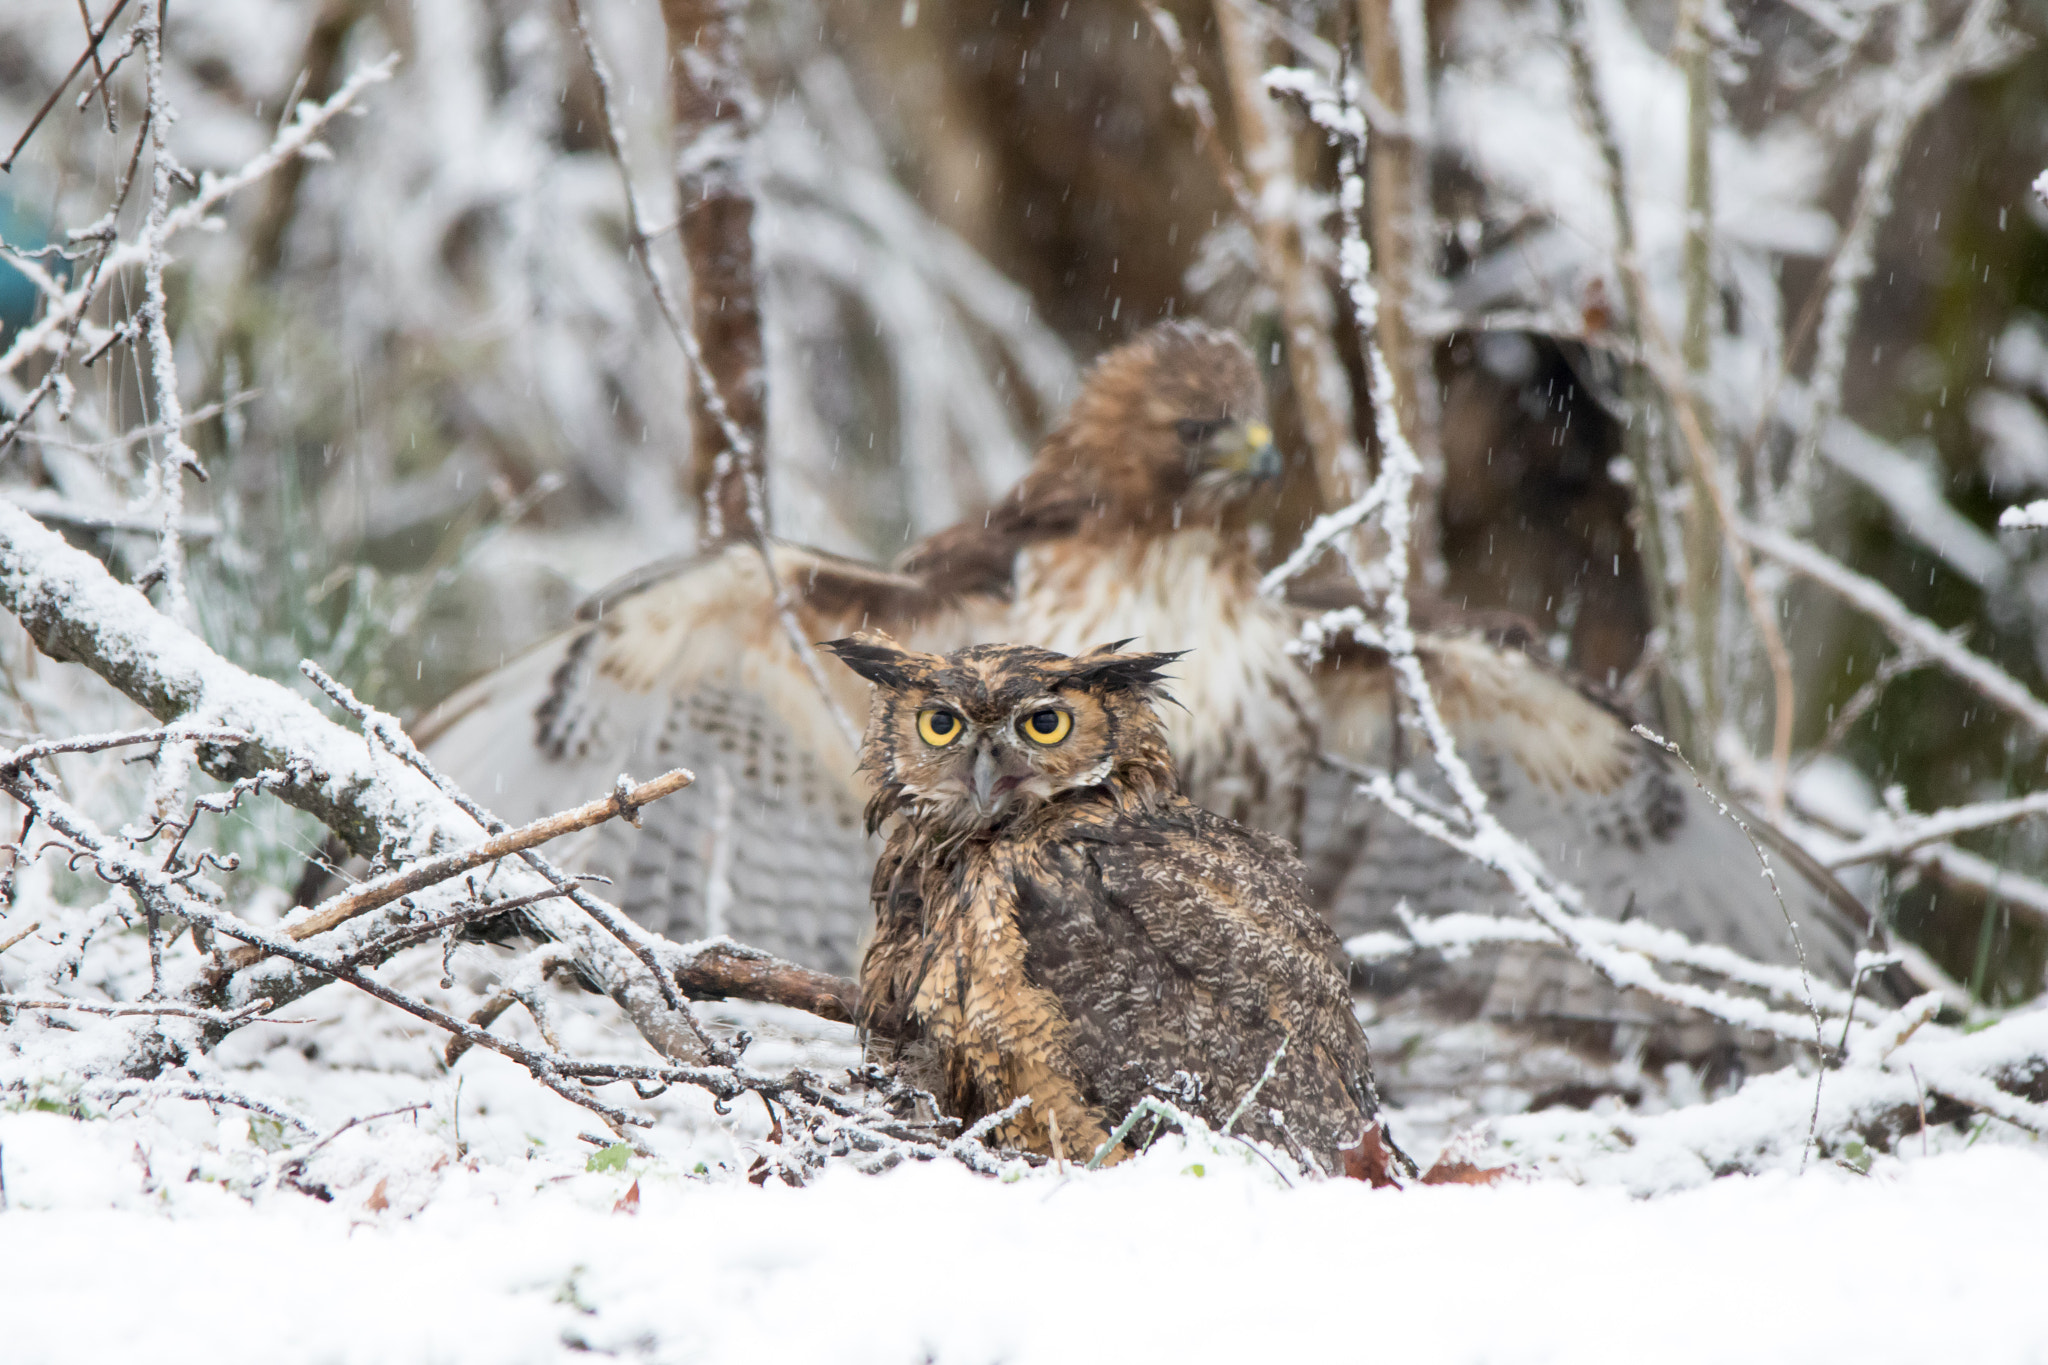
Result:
[1047,726]
[939,727]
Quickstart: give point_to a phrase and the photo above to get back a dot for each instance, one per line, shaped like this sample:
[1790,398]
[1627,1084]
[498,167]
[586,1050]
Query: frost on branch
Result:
[2031,517]
[394,809]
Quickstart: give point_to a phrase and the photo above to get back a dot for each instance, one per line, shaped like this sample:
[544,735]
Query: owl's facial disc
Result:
[984,762]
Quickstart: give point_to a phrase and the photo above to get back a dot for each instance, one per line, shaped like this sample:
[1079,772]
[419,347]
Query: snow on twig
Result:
[1911,632]
[249,1013]
[293,140]
[1918,81]
[2031,517]
[1894,838]
[385,730]
[168,567]
[1328,530]
[1287,251]
[74,608]
[1555,905]
[1458,933]
[1191,97]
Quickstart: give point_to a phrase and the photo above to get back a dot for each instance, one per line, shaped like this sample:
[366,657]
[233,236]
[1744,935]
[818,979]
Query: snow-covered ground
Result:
[1180,1255]
[168,1233]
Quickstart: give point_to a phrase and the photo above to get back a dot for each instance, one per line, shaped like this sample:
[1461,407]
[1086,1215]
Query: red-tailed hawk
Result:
[1134,521]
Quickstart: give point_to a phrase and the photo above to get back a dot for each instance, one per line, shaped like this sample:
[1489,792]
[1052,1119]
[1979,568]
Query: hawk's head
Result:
[1168,426]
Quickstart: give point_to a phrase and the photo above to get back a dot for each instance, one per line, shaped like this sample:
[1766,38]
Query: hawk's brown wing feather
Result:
[1606,810]
[687,664]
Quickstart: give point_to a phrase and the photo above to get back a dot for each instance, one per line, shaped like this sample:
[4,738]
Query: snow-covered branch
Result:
[1894,838]
[1912,633]
[395,809]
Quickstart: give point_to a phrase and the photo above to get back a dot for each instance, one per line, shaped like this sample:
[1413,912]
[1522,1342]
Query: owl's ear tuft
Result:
[875,657]
[1104,667]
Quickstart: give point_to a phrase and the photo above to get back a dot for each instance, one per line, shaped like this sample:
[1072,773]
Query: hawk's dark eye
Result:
[1193,432]
[938,727]
[1047,726]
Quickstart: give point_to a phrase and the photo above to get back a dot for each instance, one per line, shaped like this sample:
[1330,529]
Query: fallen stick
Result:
[383,890]
[736,972]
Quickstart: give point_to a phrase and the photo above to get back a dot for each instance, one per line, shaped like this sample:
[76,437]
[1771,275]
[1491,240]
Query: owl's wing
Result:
[1606,810]
[1183,942]
[688,664]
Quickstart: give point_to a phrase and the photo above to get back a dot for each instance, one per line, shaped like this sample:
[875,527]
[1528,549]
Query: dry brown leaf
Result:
[630,1201]
[377,1203]
[1451,1171]
[1372,1160]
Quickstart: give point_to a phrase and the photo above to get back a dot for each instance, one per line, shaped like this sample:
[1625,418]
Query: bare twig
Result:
[94,37]
[383,890]
[1927,81]
[1652,491]
[386,730]
[1914,634]
[1701,521]
[1709,476]
[1862,700]
[736,972]
[715,109]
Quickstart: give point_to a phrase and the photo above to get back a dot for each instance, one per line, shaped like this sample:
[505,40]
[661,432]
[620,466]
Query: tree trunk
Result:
[715,111]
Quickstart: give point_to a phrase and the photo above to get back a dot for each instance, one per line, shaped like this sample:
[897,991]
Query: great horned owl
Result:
[1054,919]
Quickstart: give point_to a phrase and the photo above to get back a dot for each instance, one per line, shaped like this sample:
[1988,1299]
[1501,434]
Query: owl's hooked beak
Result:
[996,773]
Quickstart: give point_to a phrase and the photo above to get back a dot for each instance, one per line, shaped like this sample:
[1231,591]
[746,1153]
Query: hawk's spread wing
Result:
[1606,810]
[688,664]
